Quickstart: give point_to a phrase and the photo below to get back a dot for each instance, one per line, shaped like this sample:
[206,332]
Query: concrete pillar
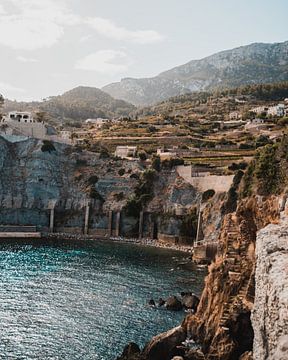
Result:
[199,224]
[86,225]
[52,213]
[118,218]
[141,218]
[110,219]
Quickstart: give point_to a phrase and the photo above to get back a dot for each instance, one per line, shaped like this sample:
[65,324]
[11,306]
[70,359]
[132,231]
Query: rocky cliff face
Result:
[270,314]
[255,63]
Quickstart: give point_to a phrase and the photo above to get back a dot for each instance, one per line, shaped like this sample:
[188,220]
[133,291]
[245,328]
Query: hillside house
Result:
[98,123]
[258,110]
[126,152]
[277,110]
[235,115]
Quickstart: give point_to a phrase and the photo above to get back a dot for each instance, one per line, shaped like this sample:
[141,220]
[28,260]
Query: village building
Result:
[99,122]
[258,110]
[235,115]
[126,152]
[277,110]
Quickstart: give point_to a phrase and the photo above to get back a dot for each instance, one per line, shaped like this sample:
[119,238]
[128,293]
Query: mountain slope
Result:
[251,64]
[79,103]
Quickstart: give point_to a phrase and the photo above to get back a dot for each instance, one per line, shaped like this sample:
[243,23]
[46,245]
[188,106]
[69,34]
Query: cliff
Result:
[270,314]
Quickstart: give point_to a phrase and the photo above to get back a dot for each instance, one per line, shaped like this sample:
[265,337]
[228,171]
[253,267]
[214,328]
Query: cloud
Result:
[26,60]
[105,62]
[36,24]
[8,88]
[107,28]
[32,25]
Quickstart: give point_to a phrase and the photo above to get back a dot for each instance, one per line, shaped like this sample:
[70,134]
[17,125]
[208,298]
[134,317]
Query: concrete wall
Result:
[203,183]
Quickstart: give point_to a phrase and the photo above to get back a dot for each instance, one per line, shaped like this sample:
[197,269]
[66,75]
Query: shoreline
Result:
[143,242]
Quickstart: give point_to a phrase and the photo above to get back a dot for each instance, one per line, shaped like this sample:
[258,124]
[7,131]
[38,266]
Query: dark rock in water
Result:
[151,302]
[130,352]
[184,293]
[164,346]
[173,303]
[190,302]
[161,302]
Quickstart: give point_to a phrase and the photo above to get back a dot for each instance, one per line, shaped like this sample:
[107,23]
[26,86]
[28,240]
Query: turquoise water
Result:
[87,300]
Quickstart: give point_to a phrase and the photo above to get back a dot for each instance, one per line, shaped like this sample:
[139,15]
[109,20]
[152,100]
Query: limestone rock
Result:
[270,315]
[173,303]
[164,346]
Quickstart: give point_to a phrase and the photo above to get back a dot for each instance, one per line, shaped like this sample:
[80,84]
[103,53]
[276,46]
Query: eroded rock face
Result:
[164,346]
[270,315]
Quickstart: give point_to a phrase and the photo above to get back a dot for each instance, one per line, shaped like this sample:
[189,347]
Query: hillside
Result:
[251,64]
[77,104]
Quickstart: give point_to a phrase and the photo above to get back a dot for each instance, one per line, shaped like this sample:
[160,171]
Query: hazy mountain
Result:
[251,64]
[80,103]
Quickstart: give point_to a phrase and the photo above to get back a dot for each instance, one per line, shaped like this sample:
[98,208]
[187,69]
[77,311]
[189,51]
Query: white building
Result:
[235,115]
[126,152]
[98,123]
[259,110]
[277,110]
[19,116]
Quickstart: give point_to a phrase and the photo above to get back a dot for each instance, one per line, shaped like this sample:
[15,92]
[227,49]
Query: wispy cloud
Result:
[6,89]
[38,24]
[107,28]
[26,60]
[105,61]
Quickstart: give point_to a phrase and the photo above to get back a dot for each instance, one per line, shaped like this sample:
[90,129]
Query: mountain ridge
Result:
[248,64]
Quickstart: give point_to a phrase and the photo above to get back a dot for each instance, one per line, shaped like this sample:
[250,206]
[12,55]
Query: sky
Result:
[50,46]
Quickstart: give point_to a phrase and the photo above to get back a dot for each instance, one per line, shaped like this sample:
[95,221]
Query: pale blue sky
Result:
[50,46]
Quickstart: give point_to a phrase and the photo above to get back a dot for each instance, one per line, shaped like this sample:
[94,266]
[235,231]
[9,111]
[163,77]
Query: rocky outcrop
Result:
[270,314]
[164,346]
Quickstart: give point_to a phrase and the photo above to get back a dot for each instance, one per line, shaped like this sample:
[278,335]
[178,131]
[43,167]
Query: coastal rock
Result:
[164,346]
[173,303]
[151,302]
[130,352]
[161,302]
[270,314]
[190,302]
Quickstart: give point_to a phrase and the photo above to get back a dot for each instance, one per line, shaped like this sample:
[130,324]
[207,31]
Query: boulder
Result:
[161,302]
[173,303]
[151,302]
[164,346]
[130,352]
[190,302]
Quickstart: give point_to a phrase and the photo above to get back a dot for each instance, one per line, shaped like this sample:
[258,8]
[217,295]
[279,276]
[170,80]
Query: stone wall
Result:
[206,182]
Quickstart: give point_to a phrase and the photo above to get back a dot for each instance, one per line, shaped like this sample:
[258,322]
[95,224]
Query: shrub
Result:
[267,170]
[93,179]
[47,146]
[241,166]
[156,163]
[262,140]
[208,194]
[121,172]
[142,155]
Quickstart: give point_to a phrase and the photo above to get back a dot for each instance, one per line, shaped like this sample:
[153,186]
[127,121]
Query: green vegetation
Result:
[143,193]
[47,146]
[121,172]
[208,194]
[267,170]
[92,180]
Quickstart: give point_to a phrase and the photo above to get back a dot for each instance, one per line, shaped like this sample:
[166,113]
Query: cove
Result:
[86,300]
